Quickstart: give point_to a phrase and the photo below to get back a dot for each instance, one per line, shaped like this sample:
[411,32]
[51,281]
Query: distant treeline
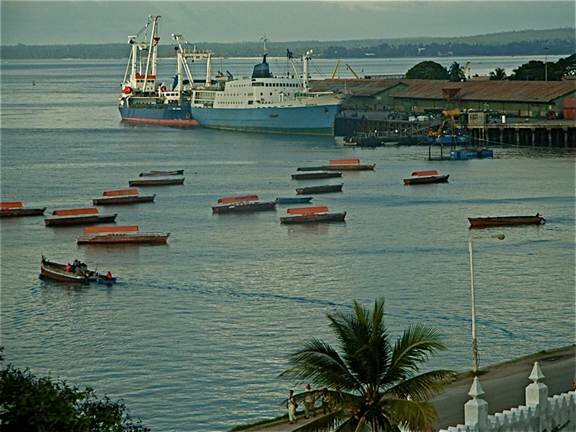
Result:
[530,42]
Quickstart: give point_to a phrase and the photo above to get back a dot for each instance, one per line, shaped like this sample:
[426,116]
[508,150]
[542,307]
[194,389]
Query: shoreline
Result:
[558,366]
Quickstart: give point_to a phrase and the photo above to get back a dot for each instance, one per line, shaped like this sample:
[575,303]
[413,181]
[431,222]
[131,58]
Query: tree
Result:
[456,72]
[373,382]
[498,74]
[33,404]
[428,70]
[536,70]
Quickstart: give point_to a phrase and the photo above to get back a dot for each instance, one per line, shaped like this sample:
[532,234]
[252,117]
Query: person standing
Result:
[325,399]
[308,402]
[292,405]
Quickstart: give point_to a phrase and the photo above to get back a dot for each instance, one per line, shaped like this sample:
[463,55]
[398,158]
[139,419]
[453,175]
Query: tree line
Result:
[321,49]
[534,70]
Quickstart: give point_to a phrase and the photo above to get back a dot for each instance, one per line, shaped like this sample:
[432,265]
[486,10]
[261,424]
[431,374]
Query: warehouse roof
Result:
[505,91]
[354,87]
[485,90]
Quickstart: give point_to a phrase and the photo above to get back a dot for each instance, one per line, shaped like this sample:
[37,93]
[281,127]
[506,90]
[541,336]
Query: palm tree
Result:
[498,74]
[456,72]
[373,383]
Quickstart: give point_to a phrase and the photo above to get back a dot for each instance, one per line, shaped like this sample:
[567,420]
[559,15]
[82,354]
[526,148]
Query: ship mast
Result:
[150,71]
[305,59]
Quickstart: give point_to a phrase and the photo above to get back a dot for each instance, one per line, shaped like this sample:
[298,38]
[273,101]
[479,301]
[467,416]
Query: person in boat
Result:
[68,268]
[109,276]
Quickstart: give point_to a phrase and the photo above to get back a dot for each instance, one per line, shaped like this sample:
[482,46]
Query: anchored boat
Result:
[348,165]
[125,234]
[78,216]
[122,196]
[313,175]
[293,200]
[161,173]
[157,182]
[426,177]
[487,222]
[17,209]
[310,190]
[302,215]
[242,204]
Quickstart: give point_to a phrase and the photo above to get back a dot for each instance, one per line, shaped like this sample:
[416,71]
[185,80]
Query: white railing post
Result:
[537,395]
[476,410]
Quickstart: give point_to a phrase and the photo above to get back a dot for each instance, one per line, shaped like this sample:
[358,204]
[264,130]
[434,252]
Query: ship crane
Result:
[183,55]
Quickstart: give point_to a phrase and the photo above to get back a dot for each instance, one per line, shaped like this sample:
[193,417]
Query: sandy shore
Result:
[503,383]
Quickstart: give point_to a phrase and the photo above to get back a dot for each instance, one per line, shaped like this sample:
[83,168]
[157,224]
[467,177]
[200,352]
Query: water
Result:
[196,332]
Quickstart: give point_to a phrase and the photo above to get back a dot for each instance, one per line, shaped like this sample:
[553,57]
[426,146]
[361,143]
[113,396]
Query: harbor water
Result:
[194,335]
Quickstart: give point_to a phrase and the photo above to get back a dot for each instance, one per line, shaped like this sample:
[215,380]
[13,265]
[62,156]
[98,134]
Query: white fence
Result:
[540,414]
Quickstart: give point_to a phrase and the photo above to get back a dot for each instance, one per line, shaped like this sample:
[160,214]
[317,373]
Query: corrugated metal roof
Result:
[485,90]
[354,87]
[505,91]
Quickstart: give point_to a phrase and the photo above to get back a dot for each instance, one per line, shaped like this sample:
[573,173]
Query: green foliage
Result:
[372,380]
[536,70]
[32,404]
[456,72]
[428,70]
[498,74]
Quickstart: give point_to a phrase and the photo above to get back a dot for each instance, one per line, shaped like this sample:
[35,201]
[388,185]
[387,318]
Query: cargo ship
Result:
[264,102]
[146,100]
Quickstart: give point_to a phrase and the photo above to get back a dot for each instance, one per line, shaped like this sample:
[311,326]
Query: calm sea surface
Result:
[196,332]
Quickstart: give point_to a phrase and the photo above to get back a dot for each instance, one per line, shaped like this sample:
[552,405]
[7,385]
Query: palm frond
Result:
[414,347]
[320,364]
[422,387]
[410,415]
[363,340]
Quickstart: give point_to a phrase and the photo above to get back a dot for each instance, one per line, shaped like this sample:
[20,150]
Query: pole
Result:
[473,301]
[546,64]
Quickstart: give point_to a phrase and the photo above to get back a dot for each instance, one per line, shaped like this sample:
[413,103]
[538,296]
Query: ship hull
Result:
[162,115]
[302,120]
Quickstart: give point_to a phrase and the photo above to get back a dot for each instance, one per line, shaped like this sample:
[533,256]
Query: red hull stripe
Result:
[163,122]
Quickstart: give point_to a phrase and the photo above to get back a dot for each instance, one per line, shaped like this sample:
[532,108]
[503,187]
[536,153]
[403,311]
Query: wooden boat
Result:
[157,182]
[313,168]
[125,234]
[319,189]
[122,196]
[293,200]
[242,204]
[312,175]
[80,275]
[487,222]
[348,165]
[426,177]
[301,215]
[154,173]
[17,209]
[78,216]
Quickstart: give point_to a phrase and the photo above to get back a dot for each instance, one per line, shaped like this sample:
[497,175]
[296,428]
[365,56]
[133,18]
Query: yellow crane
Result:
[349,68]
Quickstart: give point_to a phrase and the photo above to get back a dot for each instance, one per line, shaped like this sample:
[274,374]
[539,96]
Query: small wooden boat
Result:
[122,196]
[154,173]
[157,182]
[78,216]
[301,215]
[319,189]
[76,274]
[293,200]
[348,165]
[242,204]
[126,234]
[426,177]
[17,209]
[487,222]
[312,175]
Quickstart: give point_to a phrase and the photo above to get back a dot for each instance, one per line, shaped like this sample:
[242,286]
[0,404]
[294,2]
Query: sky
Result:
[72,22]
